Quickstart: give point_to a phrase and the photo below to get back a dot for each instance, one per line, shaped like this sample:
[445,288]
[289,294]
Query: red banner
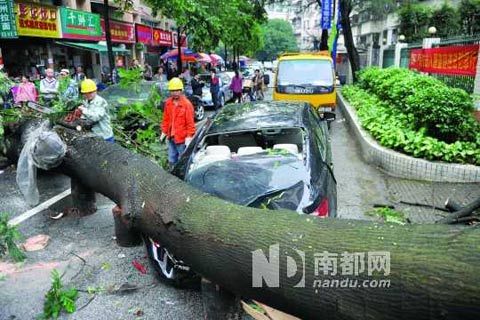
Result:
[452,60]
[121,32]
[162,38]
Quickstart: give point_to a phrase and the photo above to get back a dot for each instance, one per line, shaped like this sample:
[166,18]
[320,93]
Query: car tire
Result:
[199,112]
[165,269]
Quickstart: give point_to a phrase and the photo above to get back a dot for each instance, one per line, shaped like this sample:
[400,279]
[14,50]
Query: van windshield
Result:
[305,73]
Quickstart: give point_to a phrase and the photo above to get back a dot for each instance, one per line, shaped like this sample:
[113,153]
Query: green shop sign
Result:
[8,27]
[80,25]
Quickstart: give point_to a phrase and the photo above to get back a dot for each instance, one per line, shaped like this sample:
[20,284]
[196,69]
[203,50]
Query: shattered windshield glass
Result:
[250,180]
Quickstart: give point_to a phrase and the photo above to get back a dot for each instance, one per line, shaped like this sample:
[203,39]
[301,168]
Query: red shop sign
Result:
[162,38]
[120,32]
[144,34]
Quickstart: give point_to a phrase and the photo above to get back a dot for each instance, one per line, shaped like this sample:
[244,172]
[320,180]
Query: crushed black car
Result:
[268,155]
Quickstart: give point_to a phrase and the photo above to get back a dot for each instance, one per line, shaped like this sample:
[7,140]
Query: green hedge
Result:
[397,131]
[443,112]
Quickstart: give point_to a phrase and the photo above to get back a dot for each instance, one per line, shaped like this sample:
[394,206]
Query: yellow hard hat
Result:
[87,86]
[175,84]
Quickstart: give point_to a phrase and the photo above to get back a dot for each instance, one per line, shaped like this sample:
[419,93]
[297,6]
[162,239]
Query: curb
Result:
[400,165]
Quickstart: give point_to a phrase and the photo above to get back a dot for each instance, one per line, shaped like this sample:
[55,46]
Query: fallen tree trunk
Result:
[434,269]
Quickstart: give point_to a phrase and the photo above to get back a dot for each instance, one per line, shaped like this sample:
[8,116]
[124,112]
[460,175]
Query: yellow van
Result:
[306,77]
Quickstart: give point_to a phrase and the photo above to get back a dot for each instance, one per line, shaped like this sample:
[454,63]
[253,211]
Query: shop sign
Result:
[161,38]
[80,25]
[144,34]
[120,32]
[8,28]
[37,20]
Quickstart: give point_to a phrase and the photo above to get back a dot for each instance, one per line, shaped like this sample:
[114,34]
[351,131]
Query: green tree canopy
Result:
[469,11]
[209,21]
[277,37]
[446,20]
[414,21]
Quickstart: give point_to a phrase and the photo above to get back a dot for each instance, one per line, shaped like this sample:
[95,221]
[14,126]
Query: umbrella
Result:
[216,59]
[187,55]
[205,58]
[243,58]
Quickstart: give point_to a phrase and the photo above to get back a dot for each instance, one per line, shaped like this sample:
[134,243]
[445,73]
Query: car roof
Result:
[258,115]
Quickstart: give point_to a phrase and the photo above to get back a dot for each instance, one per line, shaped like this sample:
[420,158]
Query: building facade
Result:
[71,33]
[304,15]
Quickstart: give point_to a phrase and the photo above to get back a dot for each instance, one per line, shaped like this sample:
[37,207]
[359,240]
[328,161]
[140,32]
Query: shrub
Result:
[397,131]
[443,112]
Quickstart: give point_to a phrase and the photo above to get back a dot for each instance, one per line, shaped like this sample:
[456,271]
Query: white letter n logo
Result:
[267,269]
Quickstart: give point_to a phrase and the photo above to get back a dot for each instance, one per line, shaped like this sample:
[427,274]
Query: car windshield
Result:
[305,72]
[248,179]
[115,92]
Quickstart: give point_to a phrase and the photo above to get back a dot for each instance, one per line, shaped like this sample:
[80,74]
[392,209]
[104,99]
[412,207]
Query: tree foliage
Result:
[277,37]
[414,21]
[208,22]
[446,20]
[469,14]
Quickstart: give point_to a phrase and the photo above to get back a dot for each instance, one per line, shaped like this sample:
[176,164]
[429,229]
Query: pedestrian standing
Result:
[197,85]
[95,111]
[49,87]
[26,91]
[178,124]
[160,75]
[236,87]
[214,88]
[68,87]
[148,72]
[258,84]
[79,76]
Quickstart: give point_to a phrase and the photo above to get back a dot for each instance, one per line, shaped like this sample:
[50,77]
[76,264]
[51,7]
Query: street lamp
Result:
[432,30]
[401,37]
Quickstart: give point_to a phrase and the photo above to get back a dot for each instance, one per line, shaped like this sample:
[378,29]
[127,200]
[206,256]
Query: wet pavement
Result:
[85,248]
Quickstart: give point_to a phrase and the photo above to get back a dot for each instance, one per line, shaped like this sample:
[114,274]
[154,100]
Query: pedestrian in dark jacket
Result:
[215,88]
[197,85]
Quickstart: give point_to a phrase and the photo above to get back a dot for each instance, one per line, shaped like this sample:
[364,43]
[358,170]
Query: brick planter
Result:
[400,165]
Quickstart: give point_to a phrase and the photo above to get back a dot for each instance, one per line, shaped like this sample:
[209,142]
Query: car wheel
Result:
[199,112]
[167,270]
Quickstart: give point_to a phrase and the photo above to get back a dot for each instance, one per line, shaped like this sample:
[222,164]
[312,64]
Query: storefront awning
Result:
[92,47]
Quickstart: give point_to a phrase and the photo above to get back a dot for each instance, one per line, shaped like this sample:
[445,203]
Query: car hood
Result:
[259,180]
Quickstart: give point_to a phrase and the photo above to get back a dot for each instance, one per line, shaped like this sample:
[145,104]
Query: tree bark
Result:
[179,58]
[83,198]
[346,9]
[108,36]
[434,271]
